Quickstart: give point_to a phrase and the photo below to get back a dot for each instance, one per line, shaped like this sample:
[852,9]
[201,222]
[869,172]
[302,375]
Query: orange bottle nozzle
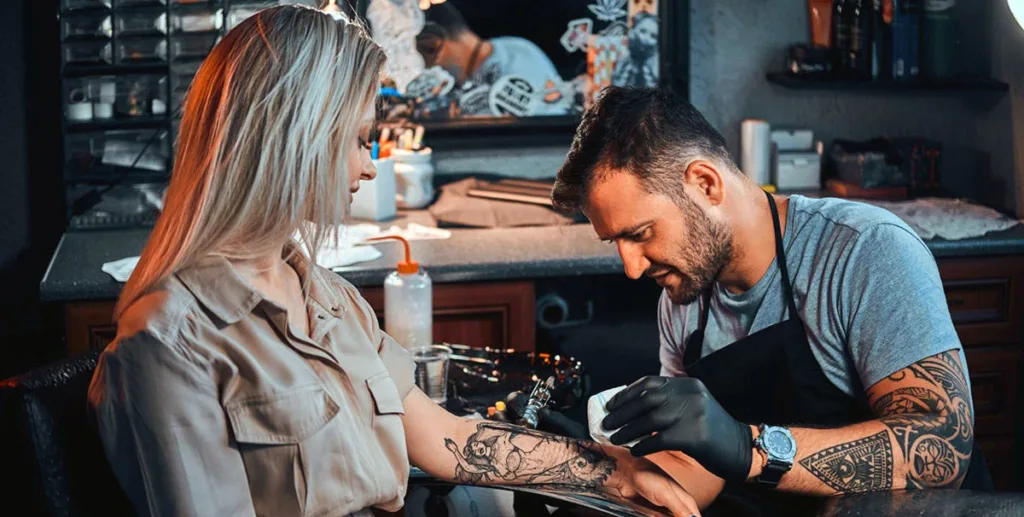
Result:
[407,266]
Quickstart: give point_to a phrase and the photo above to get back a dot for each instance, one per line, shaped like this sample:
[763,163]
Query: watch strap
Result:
[772,473]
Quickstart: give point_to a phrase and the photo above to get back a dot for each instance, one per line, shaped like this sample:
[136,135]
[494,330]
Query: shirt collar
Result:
[218,286]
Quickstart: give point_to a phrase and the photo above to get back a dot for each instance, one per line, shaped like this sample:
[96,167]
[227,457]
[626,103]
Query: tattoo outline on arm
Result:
[502,453]
[931,421]
[932,425]
[863,465]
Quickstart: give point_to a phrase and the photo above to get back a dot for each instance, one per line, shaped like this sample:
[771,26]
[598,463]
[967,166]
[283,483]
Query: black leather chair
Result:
[53,460]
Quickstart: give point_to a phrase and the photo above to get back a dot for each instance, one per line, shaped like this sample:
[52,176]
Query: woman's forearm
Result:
[482,452]
[498,453]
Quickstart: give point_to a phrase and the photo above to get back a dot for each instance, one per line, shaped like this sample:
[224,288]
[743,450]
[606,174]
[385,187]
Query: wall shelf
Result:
[78,70]
[129,176]
[111,222]
[955,84]
[118,123]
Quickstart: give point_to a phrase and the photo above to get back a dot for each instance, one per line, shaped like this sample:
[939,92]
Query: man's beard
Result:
[707,250]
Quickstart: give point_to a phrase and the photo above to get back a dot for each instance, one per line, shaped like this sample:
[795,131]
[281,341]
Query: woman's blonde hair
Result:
[263,145]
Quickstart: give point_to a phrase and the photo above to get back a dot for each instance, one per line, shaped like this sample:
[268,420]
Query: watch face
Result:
[779,443]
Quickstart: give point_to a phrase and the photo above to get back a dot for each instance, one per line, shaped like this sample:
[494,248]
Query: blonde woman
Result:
[246,380]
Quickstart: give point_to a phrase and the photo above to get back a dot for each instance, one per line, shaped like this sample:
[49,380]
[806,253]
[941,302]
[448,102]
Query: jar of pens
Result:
[413,164]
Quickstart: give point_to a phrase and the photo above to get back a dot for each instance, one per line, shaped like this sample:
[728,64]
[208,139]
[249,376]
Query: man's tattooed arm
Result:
[922,436]
[499,453]
[928,412]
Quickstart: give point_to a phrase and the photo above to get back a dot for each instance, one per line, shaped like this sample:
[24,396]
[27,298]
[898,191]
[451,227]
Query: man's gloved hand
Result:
[686,418]
[548,420]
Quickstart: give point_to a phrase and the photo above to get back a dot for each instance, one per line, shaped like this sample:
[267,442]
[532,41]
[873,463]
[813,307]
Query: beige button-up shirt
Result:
[209,403]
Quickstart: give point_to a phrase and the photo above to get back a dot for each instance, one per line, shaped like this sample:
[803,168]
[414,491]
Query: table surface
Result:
[469,255]
[496,501]
[930,503]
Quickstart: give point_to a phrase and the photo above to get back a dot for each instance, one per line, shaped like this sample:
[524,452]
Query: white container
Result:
[799,170]
[79,112]
[102,110]
[756,144]
[793,139]
[414,177]
[408,302]
[375,200]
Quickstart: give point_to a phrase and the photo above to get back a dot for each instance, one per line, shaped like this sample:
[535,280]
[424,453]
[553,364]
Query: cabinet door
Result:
[995,387]
[89,326]
[486,314]
[998,454]
[985,298]
[494,314]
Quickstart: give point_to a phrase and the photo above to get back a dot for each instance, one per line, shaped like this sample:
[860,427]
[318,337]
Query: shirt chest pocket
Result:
[305,454]
[386,400]
[278,435]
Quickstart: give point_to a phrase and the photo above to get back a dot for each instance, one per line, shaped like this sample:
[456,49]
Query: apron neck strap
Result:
[780,257]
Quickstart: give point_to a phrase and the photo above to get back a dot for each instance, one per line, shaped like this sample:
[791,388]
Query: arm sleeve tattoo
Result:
[504,454]
[933,424]
[927,413]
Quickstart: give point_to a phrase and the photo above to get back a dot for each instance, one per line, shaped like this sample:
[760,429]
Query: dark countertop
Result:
[938,502]
[469,255]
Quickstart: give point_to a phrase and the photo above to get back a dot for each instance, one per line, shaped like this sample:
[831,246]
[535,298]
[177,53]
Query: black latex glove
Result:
[548,420]
[686,418]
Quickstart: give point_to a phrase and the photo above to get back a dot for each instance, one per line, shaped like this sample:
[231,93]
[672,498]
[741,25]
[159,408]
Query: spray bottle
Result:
[408,301]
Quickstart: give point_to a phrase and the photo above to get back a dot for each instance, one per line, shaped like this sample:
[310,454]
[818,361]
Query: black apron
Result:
[772,377]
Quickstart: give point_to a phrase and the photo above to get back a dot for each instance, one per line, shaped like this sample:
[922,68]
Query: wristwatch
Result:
[779,447]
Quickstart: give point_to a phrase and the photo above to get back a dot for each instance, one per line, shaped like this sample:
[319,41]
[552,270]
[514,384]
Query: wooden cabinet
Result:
[495,314]
[88,325]
[985,298]
[489,314]
[986,302]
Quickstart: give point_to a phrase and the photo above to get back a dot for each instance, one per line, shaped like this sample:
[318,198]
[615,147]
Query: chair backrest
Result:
[55,455]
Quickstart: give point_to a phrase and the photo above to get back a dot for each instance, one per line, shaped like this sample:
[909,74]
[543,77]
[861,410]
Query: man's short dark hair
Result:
[447,17]
[651,133]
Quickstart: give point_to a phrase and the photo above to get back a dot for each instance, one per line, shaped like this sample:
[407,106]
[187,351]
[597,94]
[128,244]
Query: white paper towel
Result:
[120,269]
[595,414]
[756,156]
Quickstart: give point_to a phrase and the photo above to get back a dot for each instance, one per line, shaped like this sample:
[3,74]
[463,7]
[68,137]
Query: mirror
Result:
[511,60]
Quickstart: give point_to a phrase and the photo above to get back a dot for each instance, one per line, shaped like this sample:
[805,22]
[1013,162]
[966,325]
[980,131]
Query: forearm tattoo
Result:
[504,454]
[933,425]
[928,414]
[863,465]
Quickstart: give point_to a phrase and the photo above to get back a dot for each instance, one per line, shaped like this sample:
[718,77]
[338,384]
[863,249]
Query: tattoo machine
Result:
[539,398]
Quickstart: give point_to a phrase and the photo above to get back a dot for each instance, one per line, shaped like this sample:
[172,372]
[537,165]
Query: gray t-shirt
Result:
[866,286]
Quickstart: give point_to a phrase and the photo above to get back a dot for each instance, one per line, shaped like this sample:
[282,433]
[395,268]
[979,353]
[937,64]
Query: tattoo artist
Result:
[806,345]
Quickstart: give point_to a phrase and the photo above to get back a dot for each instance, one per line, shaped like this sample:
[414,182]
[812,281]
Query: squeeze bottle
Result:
[408,302]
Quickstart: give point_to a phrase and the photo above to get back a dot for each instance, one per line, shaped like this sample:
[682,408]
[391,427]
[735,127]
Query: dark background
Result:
[31,201]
